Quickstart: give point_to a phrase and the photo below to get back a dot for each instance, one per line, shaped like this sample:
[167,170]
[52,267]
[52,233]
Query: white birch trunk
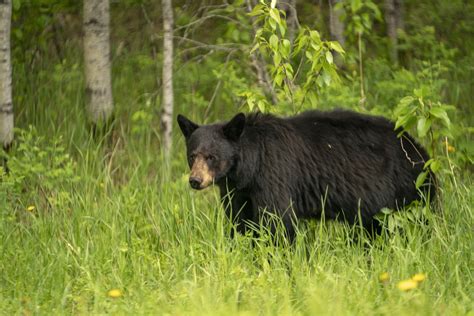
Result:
[6,104]
[97,60]
[167,105]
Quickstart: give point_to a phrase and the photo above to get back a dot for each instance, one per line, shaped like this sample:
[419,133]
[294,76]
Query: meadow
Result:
[93,225]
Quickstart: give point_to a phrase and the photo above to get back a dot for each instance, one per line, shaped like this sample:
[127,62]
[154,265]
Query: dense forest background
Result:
[103,222]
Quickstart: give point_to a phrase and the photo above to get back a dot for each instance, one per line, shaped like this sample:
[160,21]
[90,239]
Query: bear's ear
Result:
[187,126]
[235,127]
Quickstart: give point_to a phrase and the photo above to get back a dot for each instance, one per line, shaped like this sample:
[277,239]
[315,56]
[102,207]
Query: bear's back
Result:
[350,156]
[341,119]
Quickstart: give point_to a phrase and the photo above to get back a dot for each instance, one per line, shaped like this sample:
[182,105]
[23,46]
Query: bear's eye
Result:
[211,158]
[192,157]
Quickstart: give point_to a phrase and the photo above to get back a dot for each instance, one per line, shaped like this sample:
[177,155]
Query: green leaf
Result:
[423,126]
[276,59]
[275,15]
[316,66]
[282,27]
[285,49]
[447,107]
[405,121]
[410,122]
[418,92]
[250,102]
[406,100]
[288,70]
[356,5]
[274,41]
[440,113]
[301,41]
[273,24]
[428,163]
[315,46]
[314,35]
[257,10]
[421,179]
[435,165]
[279,79]
[400,122]
[337,47]
[329,57]
[403,108]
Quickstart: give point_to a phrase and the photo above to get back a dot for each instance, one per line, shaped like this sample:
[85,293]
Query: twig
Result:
[222,47]
[147,18]
[204,18]
[414,147]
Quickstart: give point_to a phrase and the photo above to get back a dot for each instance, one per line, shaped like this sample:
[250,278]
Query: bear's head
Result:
[212,150]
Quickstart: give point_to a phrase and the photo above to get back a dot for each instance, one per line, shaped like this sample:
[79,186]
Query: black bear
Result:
[342,164]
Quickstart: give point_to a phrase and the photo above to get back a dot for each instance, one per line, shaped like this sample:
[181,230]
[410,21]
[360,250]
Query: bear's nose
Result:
[195,182]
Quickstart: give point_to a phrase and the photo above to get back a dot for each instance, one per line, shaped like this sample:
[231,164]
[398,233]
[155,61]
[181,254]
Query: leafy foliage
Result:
[359,15]
[40,170]
[312,55]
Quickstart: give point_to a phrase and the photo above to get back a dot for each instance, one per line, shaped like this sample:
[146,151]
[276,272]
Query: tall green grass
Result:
[130,222]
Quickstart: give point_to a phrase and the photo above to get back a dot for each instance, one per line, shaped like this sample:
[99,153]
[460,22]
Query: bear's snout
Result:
[195,182]
[201,176]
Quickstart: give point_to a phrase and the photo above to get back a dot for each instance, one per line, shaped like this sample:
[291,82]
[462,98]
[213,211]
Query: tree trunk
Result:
[393,17]
[167,109]
[336,26]
[97,60]
[6,104]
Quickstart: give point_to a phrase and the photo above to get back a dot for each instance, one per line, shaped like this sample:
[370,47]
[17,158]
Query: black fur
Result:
[293,167]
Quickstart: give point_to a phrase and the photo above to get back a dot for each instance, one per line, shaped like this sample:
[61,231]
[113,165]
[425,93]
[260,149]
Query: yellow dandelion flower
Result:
[451,149]
[30,208]
[115,293]
[419,277]
[384,277]
[407,285]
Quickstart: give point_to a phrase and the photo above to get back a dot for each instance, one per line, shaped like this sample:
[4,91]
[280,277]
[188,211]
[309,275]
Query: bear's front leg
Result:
[238,209]
[275,206]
